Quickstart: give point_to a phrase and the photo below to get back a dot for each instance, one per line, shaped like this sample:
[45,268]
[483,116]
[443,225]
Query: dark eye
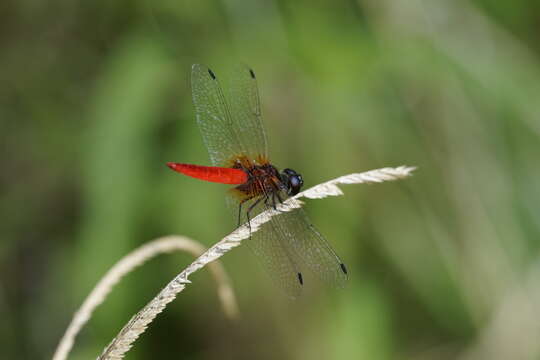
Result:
[295,183]
[289,172]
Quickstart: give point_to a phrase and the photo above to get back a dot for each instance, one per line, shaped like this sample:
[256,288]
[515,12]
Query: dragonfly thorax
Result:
[266,179]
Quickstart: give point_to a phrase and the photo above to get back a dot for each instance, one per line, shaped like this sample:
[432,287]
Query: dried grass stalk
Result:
[127,264]
[138,323]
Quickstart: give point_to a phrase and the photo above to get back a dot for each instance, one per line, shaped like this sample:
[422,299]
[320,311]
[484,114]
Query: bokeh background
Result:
[95,98]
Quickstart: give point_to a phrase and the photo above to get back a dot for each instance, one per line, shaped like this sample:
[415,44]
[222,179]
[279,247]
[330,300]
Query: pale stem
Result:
[140,321]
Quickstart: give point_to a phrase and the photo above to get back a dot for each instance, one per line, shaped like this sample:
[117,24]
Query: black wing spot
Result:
[300,279]
[212,74]
[252,73]
[343,268]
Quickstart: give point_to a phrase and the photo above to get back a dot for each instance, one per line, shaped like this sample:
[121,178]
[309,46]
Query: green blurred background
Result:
[95,98]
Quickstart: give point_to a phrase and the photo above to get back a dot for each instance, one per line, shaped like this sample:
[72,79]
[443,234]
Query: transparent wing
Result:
[289,242]
[268,246]
[214,117]
[231,126]
[310,247]
[246,110]
[276,258]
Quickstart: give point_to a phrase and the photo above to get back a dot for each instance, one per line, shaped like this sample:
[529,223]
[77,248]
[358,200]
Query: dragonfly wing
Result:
[267,244]
[310,247]
[214,117]
[231,126]
[280,264]
[246,109]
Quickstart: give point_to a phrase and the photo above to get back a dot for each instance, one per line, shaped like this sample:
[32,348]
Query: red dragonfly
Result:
[233,132]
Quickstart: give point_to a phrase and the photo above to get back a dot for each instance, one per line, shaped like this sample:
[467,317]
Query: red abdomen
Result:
[211,173]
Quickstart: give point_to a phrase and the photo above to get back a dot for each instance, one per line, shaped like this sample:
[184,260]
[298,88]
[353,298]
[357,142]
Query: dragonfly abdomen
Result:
[211,173]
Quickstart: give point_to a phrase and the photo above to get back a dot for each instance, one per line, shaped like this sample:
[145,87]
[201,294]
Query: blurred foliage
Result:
[95,98]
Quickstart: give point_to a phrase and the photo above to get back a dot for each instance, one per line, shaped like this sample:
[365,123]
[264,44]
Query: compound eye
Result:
[295,183]
[289,172]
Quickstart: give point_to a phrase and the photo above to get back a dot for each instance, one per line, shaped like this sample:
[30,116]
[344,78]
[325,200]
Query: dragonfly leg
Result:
[267,199]
[240,209]
[239,213]
[248,212]
[279,197]
[274,195]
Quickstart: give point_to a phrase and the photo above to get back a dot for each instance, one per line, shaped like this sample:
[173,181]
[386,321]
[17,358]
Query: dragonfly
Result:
[232,129]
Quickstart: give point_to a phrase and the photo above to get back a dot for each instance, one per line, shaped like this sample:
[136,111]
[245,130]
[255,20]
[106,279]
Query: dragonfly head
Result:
[292,180]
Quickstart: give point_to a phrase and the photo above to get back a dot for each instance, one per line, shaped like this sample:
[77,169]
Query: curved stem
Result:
[127,264]
[140,321]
